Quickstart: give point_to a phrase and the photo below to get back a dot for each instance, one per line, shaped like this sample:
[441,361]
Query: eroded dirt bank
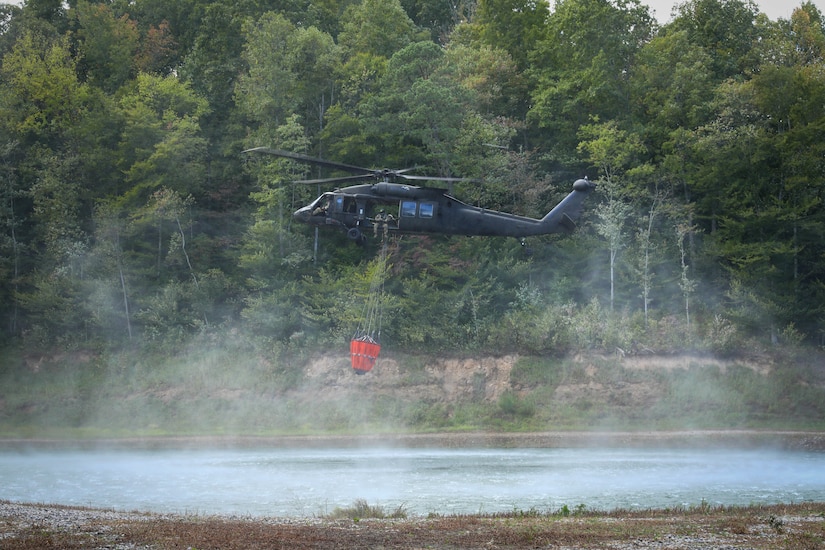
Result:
[487,378]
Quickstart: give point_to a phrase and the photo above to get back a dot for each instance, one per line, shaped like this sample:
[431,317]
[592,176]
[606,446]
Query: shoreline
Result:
[24,526]
[705,439]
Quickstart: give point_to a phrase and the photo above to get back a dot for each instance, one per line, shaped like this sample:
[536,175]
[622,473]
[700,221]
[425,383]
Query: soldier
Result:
[382,218]
[322,209]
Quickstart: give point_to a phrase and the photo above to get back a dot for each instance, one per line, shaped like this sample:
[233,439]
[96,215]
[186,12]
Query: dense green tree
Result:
[579,73]
[266,92]
[416,115]
[376,27]
[771,224]
[129,212]
[797,41]
[269,246]
[724,29]
[50,11]
[55,119]
[11,26]
[182,19]
[12,254]
[491,77]
[157,51]
[291,70]
[42,96]
[514,26]
[439,16]
[673,87]
[107,45]
[161,143]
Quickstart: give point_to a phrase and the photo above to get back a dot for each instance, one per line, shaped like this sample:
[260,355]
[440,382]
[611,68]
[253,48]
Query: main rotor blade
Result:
[322,181]
[404,170]
[436,178]
[362,172]
[311,160]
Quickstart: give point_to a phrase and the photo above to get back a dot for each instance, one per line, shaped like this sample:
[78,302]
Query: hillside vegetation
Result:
[153,279]
[131,218]
[229,392]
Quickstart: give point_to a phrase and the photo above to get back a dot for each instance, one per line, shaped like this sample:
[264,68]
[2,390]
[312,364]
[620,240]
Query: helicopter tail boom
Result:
[563,217]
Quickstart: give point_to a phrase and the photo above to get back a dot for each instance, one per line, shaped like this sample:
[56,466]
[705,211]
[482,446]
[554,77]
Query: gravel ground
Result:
[802,526]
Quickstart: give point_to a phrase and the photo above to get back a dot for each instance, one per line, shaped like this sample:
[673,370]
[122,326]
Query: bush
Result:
[512,405]
[362,510]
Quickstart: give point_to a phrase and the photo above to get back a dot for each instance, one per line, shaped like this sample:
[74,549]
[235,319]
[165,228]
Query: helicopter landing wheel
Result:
[355,234]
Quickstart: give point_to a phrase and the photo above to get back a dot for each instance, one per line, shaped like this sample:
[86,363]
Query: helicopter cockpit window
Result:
[426,210]
[339,204]
[321,206]
[408,209]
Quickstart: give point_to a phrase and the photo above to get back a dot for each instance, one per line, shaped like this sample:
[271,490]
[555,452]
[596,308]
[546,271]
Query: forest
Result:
[132,219]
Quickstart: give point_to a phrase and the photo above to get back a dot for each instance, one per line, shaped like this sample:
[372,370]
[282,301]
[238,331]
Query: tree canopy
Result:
[129,213]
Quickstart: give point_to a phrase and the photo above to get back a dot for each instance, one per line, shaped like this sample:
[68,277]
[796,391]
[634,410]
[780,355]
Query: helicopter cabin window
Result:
[408,209]
[425,210]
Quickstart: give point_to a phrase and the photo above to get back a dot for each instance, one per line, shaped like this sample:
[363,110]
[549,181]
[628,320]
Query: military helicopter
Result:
[385,206]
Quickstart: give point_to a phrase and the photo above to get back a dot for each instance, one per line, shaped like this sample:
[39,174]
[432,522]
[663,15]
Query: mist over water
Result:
[309,482]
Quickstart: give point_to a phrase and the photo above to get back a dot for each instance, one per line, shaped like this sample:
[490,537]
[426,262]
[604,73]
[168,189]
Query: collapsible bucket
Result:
[363,352]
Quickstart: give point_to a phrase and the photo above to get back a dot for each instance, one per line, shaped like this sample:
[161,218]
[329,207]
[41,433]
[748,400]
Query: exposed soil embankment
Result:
[220,391]
[624,384]
[487,378]
[452,380]
[434,379]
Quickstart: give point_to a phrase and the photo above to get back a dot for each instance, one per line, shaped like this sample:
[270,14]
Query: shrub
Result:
[361,509]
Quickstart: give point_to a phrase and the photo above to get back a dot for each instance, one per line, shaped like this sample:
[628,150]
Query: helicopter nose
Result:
[302,214]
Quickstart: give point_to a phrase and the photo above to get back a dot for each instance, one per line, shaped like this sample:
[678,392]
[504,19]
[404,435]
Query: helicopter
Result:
[386,206]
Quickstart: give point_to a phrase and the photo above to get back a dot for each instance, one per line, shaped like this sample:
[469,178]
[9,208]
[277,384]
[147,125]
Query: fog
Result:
[311,482]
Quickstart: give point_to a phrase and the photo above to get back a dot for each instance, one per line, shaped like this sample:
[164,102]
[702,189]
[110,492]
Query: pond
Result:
[312,481]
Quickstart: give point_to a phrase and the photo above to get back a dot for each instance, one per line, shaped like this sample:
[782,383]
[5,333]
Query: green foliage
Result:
[512,405]
[512,25]
[224,382]
[129,216]
[42,94]
[361,509]
[532,371]
[725,30]
[375,27]
[108,45]
[580,75]
[161,144]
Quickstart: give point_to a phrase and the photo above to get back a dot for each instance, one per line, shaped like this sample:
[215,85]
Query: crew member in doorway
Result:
[383,219]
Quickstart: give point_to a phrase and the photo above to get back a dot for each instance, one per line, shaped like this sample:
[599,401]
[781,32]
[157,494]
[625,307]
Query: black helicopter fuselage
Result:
[413,209]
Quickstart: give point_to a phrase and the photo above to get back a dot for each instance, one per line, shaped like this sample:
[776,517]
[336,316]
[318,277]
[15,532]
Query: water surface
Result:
[307,482]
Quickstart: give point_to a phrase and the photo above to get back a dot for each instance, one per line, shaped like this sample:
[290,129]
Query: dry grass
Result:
[800,526]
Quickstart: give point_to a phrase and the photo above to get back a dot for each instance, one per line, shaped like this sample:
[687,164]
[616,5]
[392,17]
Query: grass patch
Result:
[361,509]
